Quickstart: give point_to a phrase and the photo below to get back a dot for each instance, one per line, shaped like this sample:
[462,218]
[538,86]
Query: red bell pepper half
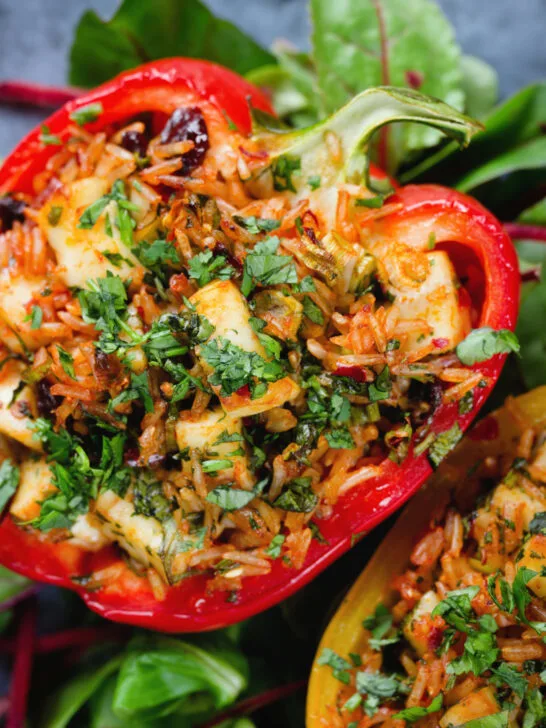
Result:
[485,262]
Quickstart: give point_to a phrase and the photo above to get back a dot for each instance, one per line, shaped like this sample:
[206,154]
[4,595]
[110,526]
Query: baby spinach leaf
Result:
[403,43]
[144,30]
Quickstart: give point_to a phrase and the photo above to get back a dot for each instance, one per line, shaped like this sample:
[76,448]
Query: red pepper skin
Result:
[484,246]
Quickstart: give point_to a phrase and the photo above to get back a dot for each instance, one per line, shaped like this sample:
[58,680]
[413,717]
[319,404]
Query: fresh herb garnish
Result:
[443,444]
[229,498]
[9,480]
[207,266]
[312,311]
[87,114]
[282,169]
[482,344]
[263,266]
[49,139]
[256,225]
[297,496]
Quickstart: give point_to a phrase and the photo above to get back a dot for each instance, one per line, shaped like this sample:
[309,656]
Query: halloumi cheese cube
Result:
[16,292]
[436,301]
[35,484]
[201,433]
[223,304]
[80,252]
[15,420]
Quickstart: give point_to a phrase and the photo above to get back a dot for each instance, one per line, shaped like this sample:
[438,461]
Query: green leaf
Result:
[340,666]
[312,311]
[410,715]
[443,444]
[206,267]
[275,546]
[87,114]
[64,705]
[381,388]
[387,43]
[67,361]
[480,86]
[144,30]
[482,344]
[49,139]
[161,675]
[513,123]
[297,496]
[532,338]
[528,156]
[263,266]
[9,480]
[229,498]
[11,584]
[497,720]
[506,674]
[538,523]
[300,153]
[339,438]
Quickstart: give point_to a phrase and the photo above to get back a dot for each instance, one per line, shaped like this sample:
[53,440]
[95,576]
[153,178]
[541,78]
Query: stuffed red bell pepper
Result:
[224,354]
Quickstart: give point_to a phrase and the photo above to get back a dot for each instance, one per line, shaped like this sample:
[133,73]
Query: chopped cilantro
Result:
[482,344]
[160,254]
[314,181]
[54,215]
[312,311]
[274,548]
[340,666]
[466,403]
[35,317]
[538,523]
[9,480]
[506,674]
[87,114]
[47,138]
[381,388]
[234,367]
[263,266]
[376,687]
[67,361]
[206,267]
[256,225]
[379,624]
[283,168]
[372,202]
[410,715]
[443,444]
[149,499]
[339,438]
[229,498]
[297,496]
[138,389]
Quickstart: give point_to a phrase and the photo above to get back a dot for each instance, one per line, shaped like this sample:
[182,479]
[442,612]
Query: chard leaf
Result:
[403,43]
[144,30]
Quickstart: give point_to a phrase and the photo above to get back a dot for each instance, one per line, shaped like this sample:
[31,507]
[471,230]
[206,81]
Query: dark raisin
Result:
[188,124]
[46,402]
[135,142]
[10,211]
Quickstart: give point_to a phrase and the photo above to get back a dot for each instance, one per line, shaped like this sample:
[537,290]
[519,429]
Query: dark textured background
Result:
[35,36]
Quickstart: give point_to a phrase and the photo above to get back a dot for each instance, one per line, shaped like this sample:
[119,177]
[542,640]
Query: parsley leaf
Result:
[36,316]
[376,687]
[482,344]
[340,438]
[67,361]
[149,499]
[47,138]
[506,674]
[138,389]
[263,266]
[229,498]
[297,496]
[340,666]
[256,225]
[314,181]
[538,523]
[9,480]
[87,114]
[379,624]
[443,444]
[312,311]
[274,548]
[282,169]
[234,367]
[206,267]
[410,715]
[381,388]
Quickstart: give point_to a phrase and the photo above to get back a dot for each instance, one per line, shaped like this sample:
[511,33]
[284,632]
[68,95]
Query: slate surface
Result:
[507,33]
